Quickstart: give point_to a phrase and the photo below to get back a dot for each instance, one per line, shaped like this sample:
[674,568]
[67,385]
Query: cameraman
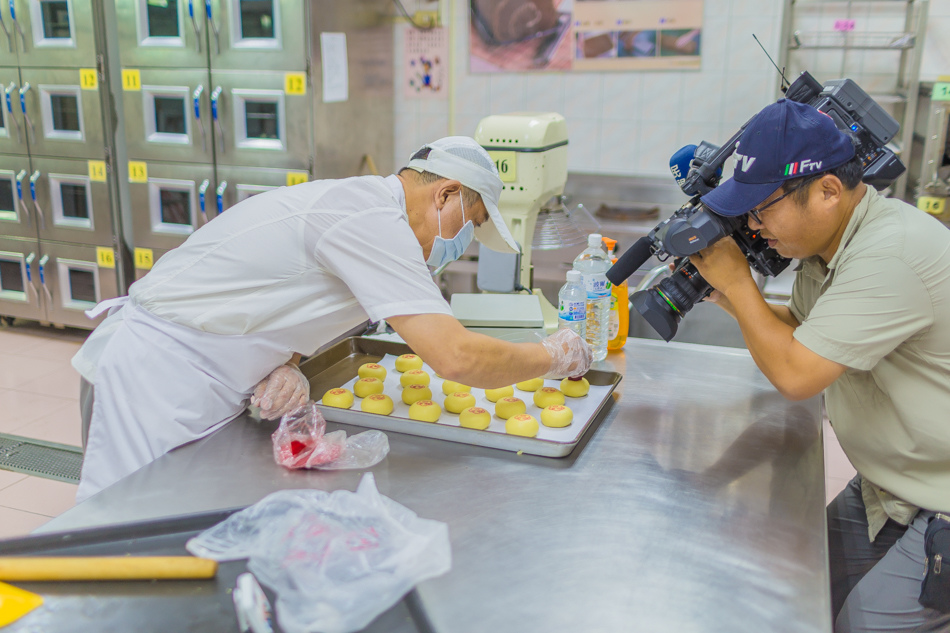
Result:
[869,324]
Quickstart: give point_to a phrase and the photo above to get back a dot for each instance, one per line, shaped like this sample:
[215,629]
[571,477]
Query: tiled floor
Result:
[39,398]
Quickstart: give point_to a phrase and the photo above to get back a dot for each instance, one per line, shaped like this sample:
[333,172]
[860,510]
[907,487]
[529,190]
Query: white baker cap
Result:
[461,158]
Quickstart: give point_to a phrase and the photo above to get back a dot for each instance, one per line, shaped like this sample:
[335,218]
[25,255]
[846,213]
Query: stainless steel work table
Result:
[697,504]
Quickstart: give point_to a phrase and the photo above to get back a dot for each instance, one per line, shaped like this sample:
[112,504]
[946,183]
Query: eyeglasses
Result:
[755,212]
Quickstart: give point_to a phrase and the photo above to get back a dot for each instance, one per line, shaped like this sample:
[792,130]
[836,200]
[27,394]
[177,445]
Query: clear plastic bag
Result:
[335,560]
[301,441]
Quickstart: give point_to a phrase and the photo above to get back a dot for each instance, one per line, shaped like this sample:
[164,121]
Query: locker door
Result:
[61,118]
[54,33]
[257,123]
[237,184]
[145,259]
[73,282]
[72,201]
[19,285]
[17,217]
[258,34]
[170,117]
[161,34]
[12,133]
[171,203]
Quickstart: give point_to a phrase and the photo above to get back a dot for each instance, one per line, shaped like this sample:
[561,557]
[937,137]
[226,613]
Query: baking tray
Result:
[339,364]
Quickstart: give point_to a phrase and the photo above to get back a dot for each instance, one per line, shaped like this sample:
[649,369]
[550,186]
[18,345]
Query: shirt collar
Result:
[813,266]
[395,185]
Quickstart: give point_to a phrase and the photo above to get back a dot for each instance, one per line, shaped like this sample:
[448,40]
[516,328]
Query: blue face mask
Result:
[444,251]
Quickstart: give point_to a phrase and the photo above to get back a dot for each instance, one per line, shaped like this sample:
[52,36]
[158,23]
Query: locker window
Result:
[257,19]
[11,276]
[65,110]
[82,286]
[172,206]
[71,199]
[175,207]
[75,202]
[170,115]
[249,191]
[162,16]
[7,197]
[55,19]
[261,119]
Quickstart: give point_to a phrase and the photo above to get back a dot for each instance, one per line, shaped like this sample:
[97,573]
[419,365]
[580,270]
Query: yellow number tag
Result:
[507,163]
[295,83]
[932,205]
[131,79]
[297,177]
[941,91]
[143,258]
[97,170]
[105,256]
[88,79]
[138,171]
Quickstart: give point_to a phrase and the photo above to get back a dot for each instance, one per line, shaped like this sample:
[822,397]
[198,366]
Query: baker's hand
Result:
[284,389]
[570,354]
[722,265]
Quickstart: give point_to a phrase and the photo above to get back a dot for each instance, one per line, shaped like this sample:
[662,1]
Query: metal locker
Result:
[176,200]
[236,184]
[71,201]
[52,33]
[170,117]
[60,117]
[151,258]
[20,294]
[155,34]
[17,215]
[258,34]
[12,132]
[257,124]
[72,281]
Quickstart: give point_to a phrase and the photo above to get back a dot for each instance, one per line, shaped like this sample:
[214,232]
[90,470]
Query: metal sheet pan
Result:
[339,364]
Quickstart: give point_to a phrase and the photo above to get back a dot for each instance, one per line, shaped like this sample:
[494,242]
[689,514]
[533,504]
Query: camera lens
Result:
[664,304]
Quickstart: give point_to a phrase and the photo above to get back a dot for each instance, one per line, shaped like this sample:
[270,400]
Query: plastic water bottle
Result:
[593,266]
[572,305]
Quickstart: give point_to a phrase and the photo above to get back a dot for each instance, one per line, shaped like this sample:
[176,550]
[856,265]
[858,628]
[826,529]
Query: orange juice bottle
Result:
[619,316]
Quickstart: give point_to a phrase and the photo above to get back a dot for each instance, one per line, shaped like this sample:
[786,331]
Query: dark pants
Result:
[874,586]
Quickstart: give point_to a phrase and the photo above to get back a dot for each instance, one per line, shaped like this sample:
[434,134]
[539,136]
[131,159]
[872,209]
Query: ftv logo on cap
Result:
[801,166]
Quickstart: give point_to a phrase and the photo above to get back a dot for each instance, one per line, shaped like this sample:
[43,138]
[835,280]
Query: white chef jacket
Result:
[285,271]
[301,264]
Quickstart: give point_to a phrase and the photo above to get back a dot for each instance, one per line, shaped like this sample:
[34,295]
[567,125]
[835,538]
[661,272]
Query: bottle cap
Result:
[574,275]
[594,239]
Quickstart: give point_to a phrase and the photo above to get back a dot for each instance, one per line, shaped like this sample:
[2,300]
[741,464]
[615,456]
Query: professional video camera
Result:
[694,226]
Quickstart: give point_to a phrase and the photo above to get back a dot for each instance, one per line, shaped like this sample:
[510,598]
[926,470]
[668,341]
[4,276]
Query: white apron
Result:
[159,385]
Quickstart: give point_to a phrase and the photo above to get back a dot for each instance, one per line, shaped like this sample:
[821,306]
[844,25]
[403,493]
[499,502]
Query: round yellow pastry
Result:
[459,401]
[495,395]
[575,388]
[507,407]
[367,387]
[557,416]
[340,398]
[414,377]
[475,418]
[415,393]
[546,396]
[530,385]
[377,403]
[372,370]
[407,362]
[450,387]
[425,411]
[522,424]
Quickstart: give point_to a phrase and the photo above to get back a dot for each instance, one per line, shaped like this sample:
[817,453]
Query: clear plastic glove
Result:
[570,354]
[284,389]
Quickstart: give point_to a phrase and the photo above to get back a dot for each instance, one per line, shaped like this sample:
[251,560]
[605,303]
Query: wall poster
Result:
[525,35]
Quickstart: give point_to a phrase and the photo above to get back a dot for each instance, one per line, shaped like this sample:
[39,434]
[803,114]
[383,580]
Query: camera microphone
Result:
[630,261]
[679,166]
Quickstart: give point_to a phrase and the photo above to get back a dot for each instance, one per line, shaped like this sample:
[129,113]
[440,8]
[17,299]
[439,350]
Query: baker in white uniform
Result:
[224,319]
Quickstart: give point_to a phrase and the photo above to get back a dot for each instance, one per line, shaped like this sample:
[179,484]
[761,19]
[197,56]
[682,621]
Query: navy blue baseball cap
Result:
[785,140]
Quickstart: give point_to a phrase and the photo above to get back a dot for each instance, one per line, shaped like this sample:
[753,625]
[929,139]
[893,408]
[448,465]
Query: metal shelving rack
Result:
[905,40]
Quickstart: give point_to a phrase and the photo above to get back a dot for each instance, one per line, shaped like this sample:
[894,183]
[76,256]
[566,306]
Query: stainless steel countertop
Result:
[696,505]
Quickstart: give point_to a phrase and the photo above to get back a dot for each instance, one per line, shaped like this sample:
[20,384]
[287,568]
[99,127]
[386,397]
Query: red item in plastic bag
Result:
[300,442]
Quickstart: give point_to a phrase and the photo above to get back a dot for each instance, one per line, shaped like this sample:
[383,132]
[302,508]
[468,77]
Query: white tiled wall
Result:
[628,123]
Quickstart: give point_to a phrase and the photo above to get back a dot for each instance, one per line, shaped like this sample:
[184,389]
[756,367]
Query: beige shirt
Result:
[882,308]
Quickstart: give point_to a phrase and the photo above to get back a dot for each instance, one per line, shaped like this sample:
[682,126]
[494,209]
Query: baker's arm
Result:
[486,362]
[796,371]
[284,389]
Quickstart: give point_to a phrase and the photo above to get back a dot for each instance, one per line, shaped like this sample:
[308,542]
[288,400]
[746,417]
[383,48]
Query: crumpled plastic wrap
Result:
[301,441]
[336,560]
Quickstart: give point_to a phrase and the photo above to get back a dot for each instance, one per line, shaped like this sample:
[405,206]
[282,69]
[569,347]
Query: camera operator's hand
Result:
[723,266]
